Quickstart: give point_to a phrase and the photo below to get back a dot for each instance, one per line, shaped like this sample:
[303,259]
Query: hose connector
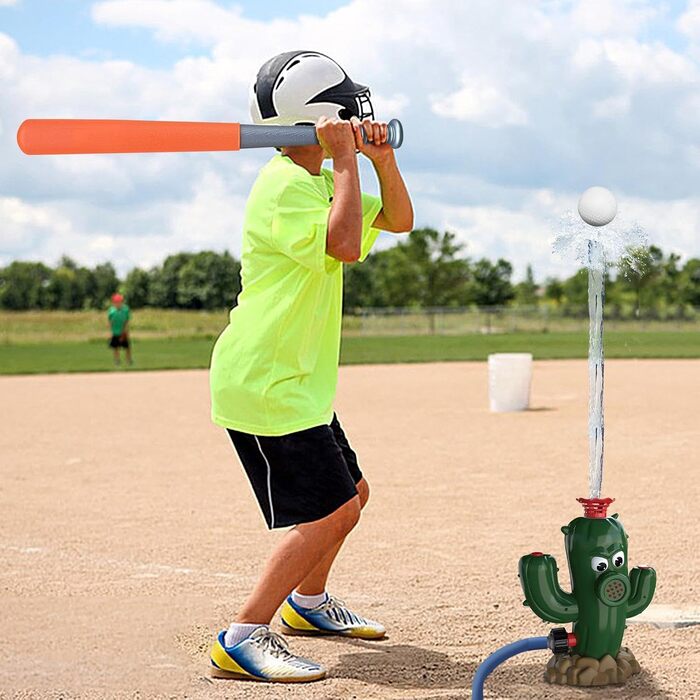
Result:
[560,641]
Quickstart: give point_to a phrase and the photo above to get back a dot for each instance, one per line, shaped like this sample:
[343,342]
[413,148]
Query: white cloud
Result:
[635,62]
[593,98]
[612,107]
[171,20]
[689,21]
[24,226]
[612,17]
[479,102]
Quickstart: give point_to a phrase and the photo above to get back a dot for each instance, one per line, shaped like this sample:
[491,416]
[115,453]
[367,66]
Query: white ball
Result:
[597,206]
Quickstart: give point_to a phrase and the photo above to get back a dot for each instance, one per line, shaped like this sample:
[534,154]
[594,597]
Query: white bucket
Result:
[510,376]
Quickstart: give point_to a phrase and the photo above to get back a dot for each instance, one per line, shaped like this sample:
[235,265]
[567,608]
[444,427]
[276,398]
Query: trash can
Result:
[510,376]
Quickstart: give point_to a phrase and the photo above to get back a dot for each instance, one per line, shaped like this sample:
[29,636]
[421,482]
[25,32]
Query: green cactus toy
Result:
[604,593]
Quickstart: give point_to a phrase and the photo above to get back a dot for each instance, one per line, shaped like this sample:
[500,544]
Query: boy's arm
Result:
[397,211]
[344,236]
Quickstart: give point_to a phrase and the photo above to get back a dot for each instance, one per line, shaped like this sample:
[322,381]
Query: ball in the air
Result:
[597,206]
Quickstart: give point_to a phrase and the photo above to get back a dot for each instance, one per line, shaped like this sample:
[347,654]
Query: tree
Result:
[491,284]
[689,283]
[106,283]
[639,271]
[424,269]
[66,288]
[526,291]
[400,279]
[164,281]
[23,285]
[575,290]
[554,290]
[208,281]
[136,288]
[360,284]
[669,279]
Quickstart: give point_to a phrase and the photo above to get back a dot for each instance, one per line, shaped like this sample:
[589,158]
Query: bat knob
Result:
[394,135]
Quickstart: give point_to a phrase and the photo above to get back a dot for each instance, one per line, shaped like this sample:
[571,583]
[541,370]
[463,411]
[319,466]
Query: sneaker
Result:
[263,656]
[331,617]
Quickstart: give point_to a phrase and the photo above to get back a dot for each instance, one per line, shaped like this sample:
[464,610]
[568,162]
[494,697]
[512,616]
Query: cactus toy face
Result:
[597,554]
[603,594]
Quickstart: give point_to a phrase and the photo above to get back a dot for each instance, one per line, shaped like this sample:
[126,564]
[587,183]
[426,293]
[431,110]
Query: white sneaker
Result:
[331,617]
[262,656]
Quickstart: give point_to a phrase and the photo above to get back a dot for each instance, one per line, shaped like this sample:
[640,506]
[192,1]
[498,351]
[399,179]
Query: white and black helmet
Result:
[298,87]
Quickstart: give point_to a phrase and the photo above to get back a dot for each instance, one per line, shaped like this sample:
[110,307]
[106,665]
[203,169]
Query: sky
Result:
[511,109]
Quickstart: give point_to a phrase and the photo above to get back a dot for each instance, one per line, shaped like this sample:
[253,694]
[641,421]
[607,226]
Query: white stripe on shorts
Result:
[269,487]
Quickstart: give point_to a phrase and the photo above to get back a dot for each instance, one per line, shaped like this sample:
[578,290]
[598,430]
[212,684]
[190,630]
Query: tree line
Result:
[425,269]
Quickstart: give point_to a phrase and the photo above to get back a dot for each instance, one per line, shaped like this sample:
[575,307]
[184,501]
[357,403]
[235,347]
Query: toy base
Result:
[571,669]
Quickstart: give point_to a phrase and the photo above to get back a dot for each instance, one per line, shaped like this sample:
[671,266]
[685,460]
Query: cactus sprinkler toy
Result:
[604,592]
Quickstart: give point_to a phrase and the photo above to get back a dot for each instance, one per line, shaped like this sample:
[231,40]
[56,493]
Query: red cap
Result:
[117,297]
[595,507]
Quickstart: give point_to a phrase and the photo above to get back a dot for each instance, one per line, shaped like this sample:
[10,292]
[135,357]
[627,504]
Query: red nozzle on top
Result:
[595,507]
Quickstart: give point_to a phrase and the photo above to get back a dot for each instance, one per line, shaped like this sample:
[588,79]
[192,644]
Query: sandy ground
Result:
[128,535]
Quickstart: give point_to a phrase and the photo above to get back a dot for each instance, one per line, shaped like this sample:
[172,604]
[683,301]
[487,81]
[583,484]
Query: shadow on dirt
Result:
[402,666]
[405,666]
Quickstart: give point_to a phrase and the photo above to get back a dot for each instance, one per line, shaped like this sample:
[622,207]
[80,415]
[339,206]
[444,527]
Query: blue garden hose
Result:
[503,654]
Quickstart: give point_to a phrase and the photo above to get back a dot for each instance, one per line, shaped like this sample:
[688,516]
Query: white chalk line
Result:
[143,570]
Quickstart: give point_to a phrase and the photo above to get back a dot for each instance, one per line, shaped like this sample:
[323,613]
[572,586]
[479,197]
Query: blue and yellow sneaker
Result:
[331,617]
[263,656]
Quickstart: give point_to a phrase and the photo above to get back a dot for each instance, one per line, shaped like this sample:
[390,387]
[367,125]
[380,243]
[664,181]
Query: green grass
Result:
[43,327]
[187,353]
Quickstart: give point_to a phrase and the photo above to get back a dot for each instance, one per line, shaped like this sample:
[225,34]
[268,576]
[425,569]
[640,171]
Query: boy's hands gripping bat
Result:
[64,136]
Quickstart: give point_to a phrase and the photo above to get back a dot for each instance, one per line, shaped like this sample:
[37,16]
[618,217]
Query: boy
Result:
[118,317]
[274,368]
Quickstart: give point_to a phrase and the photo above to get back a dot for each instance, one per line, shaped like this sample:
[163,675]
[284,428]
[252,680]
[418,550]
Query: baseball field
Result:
[129,536]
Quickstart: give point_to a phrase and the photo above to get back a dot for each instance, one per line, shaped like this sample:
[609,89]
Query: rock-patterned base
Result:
[571,669]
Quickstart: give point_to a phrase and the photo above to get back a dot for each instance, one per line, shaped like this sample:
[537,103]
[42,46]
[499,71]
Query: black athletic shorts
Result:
[299,477]
[119,341]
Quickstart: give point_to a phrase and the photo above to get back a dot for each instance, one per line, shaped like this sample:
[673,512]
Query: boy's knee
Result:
[346,517]
[363,491]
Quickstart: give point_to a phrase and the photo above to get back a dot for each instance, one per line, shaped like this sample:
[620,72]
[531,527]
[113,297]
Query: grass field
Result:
[185,353]
[42,327]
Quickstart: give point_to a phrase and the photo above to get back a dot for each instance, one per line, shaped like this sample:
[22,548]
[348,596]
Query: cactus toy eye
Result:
[599,564]
[618,559]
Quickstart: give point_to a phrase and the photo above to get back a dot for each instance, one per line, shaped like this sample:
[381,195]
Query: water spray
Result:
[604,591]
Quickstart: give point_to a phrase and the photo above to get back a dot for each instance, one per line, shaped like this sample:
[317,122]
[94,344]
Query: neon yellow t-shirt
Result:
[274,368]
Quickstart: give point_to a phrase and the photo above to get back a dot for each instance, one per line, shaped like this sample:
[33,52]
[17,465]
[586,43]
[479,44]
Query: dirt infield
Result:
[128,534]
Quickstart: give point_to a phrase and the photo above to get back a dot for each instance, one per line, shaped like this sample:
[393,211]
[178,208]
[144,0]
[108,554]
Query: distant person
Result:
[118,317]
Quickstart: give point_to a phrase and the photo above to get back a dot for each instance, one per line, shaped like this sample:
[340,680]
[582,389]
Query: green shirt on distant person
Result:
[118,316]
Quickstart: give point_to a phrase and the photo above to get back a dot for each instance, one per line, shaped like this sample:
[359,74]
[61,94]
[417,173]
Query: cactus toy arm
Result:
[642,585]
[538,578]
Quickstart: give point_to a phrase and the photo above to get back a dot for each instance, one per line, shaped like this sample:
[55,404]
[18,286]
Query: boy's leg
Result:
[299,552]
[315,581]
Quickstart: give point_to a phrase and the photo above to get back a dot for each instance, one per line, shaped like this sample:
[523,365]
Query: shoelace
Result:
[274,643]
[338,611]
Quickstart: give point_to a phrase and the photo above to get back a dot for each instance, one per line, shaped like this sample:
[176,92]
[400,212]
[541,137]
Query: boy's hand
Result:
[336,137]
[376,147]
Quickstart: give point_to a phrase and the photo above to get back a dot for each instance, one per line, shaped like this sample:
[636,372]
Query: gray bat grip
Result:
[262,136]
